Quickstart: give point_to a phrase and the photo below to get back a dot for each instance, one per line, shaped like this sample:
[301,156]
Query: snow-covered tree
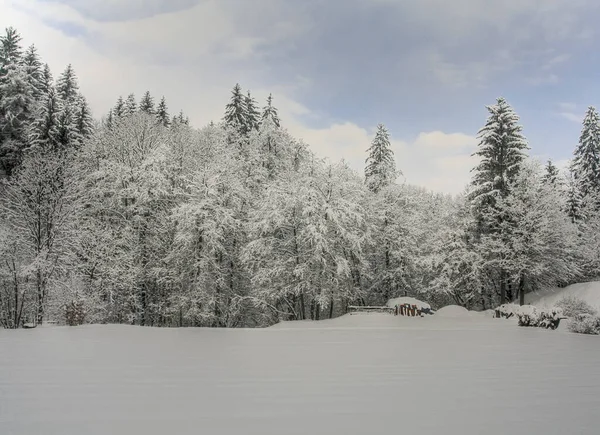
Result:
[130,105]
[46,80]
[44,131]
[162,113]
[17,101]
[380,170]
[67,85]
[502,150]
[586,162]
[552,173]
[33,68]
[147,103]
[39,207]
[270,112]
[236,111]
[119,110]
[83,118]
[252,113]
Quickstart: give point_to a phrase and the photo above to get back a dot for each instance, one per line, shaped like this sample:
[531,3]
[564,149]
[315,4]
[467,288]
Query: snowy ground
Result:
[360,374]
[587,291]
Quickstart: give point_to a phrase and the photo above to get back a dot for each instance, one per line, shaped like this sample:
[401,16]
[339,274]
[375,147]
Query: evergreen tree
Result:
[119,109]
[44,130]
[130,105]
[17,103]
[586,164]
[502,150]
[83,118]
[252,114]
[46,80]
[380,167]
[67,86]
[552,173]
[33,68]
[68,133]
[270,112]
[147,103]
[10,50]
[574,200]
[235,111]
[162,112]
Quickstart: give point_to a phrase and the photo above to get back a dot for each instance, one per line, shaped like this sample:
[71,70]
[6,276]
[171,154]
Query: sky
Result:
[426,69]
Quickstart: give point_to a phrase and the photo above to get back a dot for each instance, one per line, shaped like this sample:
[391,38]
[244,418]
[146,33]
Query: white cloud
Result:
[571,117]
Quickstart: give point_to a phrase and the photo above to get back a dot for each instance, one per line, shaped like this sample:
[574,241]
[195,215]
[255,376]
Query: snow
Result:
[587,291]
[408,300]
[453,311]
[359,374]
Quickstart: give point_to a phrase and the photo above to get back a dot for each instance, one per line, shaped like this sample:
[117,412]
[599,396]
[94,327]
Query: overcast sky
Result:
[336,68]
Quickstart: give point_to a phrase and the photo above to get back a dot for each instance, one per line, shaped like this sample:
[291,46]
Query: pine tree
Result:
[33,68]
[67,86]
[10,49]
[252,114]
[83,118]
[502,150]
[147,104]
[44,130]
[380,167]
[552,173]
[502,153]
[68,133]
[162,112]
[130,105]
[17,103]
[586,164]
[119,109]
[235,111]
[46,80]
[270,112]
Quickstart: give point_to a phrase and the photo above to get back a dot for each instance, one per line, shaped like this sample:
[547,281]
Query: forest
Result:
[137,217]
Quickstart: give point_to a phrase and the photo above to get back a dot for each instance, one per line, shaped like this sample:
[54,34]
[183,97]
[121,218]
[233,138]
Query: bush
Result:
[532,316]
[584,324]
[572,306]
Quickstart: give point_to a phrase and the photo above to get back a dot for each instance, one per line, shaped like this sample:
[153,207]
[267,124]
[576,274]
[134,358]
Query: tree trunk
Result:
[331,309]
[502,287]
[302,307]
[522,289]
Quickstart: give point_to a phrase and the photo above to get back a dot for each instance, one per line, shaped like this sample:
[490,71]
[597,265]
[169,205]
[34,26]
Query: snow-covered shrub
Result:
[584,324]
[540,318]
[573,306]
[75,313]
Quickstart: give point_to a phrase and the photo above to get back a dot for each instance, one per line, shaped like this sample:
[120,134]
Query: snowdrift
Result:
[408,300]
[586,291]
[453,311]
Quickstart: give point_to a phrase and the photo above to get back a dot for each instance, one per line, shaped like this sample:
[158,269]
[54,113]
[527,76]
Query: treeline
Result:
[143,219]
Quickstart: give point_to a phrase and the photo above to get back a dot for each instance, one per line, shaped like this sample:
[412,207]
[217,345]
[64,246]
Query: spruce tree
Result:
[270,112]
[67,86]
[44,130]
[162,112]
[380,169]
[502,150]
[502,153]
[68,133]
[552,173]
[147,104]
[17,102]
[11,52]
[46,80]
[33,68]
[574,199]
[252,114]
[586,164]
[235,110]
[84,122]
[119,109]
[130,105]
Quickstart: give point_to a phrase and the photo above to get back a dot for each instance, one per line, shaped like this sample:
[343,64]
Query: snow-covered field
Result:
[360,374]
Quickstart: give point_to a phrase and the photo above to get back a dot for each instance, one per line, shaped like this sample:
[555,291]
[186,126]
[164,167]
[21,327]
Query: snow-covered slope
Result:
[588,291]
